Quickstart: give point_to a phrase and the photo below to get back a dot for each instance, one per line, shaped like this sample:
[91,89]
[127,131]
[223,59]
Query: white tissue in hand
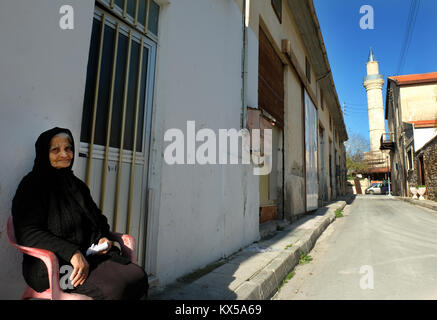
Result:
[97,248]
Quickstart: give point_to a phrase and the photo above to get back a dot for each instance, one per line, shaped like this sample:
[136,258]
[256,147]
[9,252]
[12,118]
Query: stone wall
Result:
[412,177]
[429,152]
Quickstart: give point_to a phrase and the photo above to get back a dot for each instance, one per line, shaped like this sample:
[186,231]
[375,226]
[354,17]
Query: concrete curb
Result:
[258,270]
[421,203]
[269,228]
[263,284]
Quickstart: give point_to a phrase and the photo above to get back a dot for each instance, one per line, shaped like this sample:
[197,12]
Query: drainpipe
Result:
[246,10]
[243,114]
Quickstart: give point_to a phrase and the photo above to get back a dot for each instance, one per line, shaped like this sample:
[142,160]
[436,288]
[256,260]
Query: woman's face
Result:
[60,152]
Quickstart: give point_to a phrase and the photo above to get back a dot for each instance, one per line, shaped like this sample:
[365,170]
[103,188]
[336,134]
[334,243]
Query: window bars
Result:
[115,99]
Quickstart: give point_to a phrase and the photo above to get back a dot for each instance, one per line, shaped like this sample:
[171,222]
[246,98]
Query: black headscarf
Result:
[53,210]
[64,200]
[42,164]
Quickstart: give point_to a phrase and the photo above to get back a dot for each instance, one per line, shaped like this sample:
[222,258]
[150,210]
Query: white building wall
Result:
[422,136]
[42,81]
[418,102]
[210,211]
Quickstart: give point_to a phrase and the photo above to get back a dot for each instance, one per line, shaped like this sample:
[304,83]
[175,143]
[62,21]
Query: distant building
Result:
[411,111]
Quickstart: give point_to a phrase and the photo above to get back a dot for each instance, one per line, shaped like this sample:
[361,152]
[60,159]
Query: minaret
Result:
[373,83]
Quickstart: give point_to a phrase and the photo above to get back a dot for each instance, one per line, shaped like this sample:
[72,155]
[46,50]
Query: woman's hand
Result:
[80,269]
[102,240]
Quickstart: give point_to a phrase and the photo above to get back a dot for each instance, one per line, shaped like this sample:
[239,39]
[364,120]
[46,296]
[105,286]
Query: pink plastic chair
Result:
[54,292]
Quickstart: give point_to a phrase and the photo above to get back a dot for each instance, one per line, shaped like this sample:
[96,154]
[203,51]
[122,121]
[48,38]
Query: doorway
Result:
[271,105]
[116,124]
[421,171]
[322,178]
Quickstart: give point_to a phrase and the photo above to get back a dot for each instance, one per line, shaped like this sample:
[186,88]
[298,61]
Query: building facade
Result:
[411,112]
[129,73]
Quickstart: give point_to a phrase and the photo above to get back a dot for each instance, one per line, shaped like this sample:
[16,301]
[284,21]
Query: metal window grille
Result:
[137,13]
[277,7]
[115,97]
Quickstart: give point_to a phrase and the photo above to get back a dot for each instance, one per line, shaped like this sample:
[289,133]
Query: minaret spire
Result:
[371,55]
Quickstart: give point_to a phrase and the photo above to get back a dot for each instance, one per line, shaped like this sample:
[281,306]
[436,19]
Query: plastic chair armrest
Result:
[51,262]
[127,243]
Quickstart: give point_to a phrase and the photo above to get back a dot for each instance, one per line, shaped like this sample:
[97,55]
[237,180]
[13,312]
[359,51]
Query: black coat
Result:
[53,209]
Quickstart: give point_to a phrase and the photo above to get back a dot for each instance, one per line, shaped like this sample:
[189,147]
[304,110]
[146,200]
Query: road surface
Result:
[382,248]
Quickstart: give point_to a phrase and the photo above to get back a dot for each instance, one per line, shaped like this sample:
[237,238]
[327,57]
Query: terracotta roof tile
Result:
[424,123]
[415,78]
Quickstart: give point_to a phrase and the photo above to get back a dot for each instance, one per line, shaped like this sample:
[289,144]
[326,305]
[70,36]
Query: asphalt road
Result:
[381,249]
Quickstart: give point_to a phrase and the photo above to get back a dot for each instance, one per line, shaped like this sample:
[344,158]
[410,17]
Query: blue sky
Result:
[348,46]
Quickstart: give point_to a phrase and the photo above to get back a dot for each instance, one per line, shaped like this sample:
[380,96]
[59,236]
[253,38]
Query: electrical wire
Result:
[355,104]
[406,35]
[357,108]
[412,17]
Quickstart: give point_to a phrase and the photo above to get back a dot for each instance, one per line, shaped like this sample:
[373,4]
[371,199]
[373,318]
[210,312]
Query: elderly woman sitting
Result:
[53,209]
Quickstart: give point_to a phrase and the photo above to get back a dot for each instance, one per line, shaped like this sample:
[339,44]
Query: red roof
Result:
[378,170]
[424,123]
[415,78]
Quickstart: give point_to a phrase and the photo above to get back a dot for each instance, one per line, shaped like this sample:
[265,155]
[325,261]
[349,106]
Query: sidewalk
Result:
[258,270]
[423,203]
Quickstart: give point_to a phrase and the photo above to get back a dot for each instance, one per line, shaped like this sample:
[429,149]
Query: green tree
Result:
[355,148]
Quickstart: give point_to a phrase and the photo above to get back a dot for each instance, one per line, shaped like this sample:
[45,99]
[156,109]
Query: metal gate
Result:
[312,183]
[322,164]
